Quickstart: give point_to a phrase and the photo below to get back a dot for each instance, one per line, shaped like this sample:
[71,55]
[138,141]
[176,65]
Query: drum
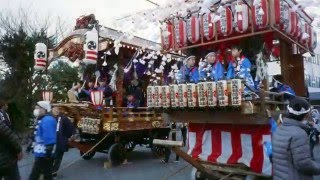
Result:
[192,95]
[212,93]
[222,89]
[202,94]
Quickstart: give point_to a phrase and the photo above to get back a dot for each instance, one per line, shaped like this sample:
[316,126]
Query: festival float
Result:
[111,128]
[228,121]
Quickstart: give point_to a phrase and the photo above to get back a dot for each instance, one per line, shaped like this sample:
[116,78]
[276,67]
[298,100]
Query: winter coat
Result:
[9,146]
[291,152]
[65,130]
[45,136]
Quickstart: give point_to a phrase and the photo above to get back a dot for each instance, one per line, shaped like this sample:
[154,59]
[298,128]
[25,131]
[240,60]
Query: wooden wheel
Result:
[117,154]
[129,146]
[158,151]
[88,156]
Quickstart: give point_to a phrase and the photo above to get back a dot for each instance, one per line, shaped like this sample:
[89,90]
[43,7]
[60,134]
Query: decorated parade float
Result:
[112,128]
[229,126]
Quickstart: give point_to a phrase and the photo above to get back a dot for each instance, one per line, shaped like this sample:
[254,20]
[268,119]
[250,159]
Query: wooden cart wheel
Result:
[158,151]
[129,146]
[88,155]
[117,154]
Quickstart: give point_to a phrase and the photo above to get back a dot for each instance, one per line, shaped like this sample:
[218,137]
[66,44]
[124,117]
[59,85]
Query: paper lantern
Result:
[208,28]
[236,91]
[293,23]
[150,98]
[96,98]
[174,94]
[297,34]
[165,96]
[212,93]
[192,95]
[282,14]
[180,32]
[157,96]
[40,57]
[47,95]
[225,23]
[193,29]
[260,13]
[167,36]
[90,47]
[241,16]
[222,91]
[202,94]
[182,91]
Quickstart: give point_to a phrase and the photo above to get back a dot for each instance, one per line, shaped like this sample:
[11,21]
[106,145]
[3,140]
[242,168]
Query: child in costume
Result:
[212,68]
[240,68]
[189,73]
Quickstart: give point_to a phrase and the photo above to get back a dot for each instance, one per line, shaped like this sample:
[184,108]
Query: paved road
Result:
[142,165]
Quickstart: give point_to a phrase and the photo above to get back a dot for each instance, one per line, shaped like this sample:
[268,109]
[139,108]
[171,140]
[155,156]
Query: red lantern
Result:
[167,36]
[260,14]
[241,17]
[293,26]
[180,31]
[193,29]
[304,37]
[96,98]
[225,24]
[47,95]
[297,34]
[208,28]
[282,14]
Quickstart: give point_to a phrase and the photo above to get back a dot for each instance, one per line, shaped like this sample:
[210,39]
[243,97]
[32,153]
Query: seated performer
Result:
[242,67]
[212,68]
[74,92]
[189,72]
[281,88]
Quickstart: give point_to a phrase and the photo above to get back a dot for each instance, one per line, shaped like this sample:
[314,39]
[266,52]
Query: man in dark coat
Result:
[4,115]
[65,130]
[291,153]
[10,153]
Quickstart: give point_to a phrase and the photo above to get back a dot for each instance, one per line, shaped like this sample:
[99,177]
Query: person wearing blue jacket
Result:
[281,88]
[44,142]
[212,68]
[241,68]
[189,73]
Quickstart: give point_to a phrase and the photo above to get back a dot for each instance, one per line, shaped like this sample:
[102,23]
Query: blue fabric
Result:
[286,89]
[230,71]
[216,72]
[46,134]
[188,74]
[244,73]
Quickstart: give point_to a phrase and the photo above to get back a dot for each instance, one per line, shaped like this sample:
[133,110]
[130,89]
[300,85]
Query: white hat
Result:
[188,58]
[211,53]
[45,105]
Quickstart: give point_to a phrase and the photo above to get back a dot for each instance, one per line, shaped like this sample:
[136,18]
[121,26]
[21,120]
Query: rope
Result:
[68,165]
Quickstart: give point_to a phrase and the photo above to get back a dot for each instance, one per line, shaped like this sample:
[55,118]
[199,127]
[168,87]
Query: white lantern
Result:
[47,95]
[150,98]
[40,57]
[157,96]
[236,92]
[165,96]
[97,98]
[182,91]
[90,47]
[222,90]
[192,95]
[202,94]
[212,94]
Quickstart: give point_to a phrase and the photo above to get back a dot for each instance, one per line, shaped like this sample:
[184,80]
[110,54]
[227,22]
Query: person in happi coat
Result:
[107,90]
[281,88]
[212,69]
[291,153]
[44,141]
[189,73]
[65,129]
[240,68]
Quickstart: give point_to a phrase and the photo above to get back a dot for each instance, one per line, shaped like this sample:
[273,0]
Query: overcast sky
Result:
[106,11]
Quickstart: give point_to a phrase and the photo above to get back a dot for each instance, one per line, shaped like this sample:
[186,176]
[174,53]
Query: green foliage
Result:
[16,88]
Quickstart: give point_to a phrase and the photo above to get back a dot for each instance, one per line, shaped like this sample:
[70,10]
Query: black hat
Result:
[298,106]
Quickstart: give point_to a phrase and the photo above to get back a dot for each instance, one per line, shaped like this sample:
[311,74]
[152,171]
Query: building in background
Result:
[312,77]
